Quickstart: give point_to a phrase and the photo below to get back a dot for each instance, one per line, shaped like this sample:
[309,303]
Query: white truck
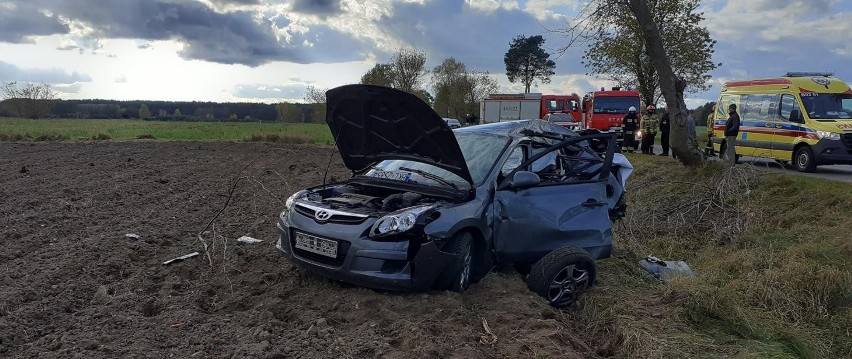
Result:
[526,106]
[510,107]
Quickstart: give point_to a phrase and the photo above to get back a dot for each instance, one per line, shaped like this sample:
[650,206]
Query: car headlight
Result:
[638,133]
[400,221]
[289,202]
[826,135]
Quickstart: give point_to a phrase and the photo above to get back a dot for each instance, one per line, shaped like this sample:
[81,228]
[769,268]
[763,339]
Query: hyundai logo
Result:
[322,215]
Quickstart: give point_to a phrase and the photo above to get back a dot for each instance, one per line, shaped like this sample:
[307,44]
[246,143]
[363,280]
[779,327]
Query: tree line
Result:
[27,102]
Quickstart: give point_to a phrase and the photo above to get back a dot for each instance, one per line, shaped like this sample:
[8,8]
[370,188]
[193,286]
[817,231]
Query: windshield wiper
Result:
[431,177]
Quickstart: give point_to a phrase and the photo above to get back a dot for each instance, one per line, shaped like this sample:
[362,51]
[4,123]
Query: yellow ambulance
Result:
[804,118]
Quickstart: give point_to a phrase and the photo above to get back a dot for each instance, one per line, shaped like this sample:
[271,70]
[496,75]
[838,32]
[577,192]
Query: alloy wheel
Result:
[566,285]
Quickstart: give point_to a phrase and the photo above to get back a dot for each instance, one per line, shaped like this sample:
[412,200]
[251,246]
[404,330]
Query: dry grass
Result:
[773,258]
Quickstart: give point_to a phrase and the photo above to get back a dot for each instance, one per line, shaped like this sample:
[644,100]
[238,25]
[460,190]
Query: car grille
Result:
[342,250]
[335,218]
[847,140]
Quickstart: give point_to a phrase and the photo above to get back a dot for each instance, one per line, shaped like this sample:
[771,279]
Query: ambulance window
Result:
[773,105]
[768,106]
[847,104]
[722,108]
[788,104]
[750,106]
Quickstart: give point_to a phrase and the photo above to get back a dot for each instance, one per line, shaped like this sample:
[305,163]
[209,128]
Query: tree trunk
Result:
[683,144]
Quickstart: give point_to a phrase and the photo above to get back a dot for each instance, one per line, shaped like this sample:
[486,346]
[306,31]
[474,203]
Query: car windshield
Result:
[615,104]
[827,105]
[480,152]
[560,117]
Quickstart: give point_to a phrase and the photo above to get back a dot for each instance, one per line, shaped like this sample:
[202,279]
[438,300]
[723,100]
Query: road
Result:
[842,173]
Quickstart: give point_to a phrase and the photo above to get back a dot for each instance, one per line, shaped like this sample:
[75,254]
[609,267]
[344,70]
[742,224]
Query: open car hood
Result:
[374,123]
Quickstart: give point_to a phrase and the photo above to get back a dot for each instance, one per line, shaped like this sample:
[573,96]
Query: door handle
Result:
[591,202]
[778,125]
[768,124]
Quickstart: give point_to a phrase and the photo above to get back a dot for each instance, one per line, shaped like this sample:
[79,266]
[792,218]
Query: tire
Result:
[456,277]
[562,275]
[803,159]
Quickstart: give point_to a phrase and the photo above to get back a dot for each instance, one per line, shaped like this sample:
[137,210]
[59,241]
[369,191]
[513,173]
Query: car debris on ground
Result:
[249,240]
[132,236]
[178,259]
[665,270]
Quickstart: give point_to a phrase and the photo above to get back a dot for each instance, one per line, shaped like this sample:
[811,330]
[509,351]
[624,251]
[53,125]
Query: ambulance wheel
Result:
[803,159]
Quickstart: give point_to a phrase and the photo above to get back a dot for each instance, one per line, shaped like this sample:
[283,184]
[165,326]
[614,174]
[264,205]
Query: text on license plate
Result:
[316,245]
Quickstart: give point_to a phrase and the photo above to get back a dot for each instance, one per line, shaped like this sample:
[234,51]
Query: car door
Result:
[783,140]
[571,211]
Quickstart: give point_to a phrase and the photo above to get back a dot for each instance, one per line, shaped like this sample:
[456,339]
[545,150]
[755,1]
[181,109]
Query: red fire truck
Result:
[509,107]
[604,110]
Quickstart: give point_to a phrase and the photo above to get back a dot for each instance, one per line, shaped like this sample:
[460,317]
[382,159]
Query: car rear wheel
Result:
[562,275]
[456,277]
[803,159]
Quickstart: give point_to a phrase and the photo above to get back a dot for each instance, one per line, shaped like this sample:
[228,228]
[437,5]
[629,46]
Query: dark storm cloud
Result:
[23,20]
[230,38]
[208,35]
[445,28]
[317,7]
[9,72]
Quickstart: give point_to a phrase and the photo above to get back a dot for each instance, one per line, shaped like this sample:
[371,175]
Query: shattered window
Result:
[515,159]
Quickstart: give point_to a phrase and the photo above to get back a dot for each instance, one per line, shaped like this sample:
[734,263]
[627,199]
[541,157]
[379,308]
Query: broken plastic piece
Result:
[132,236]
[250,240]
[178,259]
[665,270]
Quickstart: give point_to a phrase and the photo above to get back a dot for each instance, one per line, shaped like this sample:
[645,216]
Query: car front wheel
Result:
[803,159]
[562,275]
[456,277]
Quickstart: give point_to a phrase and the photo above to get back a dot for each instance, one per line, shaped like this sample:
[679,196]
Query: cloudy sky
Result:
[271,50]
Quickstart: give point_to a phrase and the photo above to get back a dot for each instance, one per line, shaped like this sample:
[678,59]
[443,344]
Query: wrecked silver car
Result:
[432,208]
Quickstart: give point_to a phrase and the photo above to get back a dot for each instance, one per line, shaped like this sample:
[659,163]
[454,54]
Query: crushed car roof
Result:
[520,128]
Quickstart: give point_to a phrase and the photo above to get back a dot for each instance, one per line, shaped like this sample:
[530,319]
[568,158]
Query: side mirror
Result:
[796,116]
[523,179]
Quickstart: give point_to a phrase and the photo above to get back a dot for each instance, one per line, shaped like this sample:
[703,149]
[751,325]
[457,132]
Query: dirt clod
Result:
[101,296]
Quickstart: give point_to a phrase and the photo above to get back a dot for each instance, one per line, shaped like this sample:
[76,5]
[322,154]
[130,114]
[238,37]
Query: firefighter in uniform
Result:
[650,123]
[631,125]
[708,150]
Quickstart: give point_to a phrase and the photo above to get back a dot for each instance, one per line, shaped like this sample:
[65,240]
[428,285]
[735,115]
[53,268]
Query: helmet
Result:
[651,108]
[631,109]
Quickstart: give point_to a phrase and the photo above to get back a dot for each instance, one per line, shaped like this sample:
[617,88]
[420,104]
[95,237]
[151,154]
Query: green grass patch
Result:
[773,259]
[12,129]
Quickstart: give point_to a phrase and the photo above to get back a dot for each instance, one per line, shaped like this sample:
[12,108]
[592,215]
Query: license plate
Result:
[325,247]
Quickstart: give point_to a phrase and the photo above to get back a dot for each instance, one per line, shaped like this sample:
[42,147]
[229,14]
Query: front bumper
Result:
[404,265]
[833,152]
